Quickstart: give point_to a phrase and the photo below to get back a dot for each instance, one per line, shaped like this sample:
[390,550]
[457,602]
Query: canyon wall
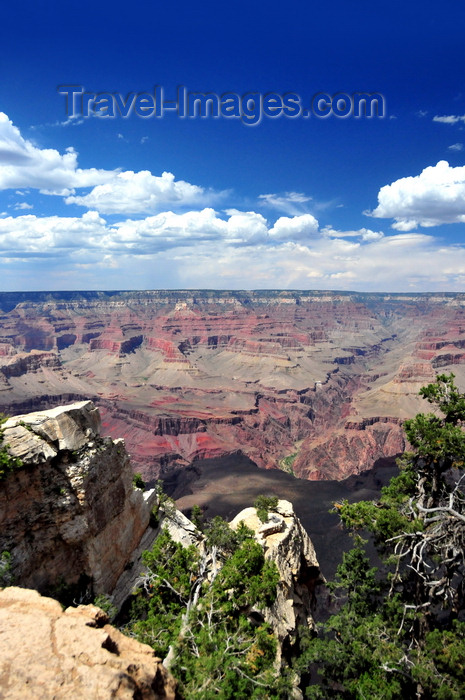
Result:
[70,513]
[315,383]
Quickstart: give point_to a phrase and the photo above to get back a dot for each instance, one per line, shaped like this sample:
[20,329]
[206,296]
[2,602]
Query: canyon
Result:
[313,383]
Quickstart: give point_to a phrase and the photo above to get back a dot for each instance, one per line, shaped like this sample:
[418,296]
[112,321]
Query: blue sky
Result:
[296,203]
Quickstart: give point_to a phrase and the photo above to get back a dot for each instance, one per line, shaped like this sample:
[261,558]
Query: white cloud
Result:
[364,233]
[242,250]
[456,147]
[291,203]
[449,119]
[71,121]
[200,246]
[23,205]
[436,196]
[24,165]
[167,230]
[295,228]
[142,192]
[50,236]
[392,263]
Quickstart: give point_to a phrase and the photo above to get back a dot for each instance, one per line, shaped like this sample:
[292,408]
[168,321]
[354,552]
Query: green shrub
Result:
[105,603]
[6,577]
[263,504]
[137,481]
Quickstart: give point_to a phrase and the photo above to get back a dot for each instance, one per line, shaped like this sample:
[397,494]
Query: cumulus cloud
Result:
[295,228]
[24,165]
[239,250]
[436,196]
[141,192]
[50,236]
[181,240]
[148,236]
[23,205]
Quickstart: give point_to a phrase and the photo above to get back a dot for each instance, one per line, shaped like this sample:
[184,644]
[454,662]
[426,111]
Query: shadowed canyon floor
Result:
[225,485]
[313,383]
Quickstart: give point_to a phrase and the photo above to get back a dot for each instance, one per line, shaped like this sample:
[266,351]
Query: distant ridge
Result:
[9,300]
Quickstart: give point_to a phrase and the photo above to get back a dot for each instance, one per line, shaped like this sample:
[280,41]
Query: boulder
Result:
[74,655]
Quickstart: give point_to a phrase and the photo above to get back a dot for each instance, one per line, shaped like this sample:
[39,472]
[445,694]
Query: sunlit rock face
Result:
[288,545]
[47,653]
[71,509]
[314,382]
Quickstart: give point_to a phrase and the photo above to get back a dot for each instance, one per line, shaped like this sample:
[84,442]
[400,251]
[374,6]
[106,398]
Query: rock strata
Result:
[71,510]
[74,655]
[289,378]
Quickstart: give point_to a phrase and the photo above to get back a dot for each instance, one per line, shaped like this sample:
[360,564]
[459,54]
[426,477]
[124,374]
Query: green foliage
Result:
[197,517]
[219,534]
[435,439]
[263,504]
[357,580]
[137,481]
[218,662]
[287,463]
[250,576]
[396,633]
[6,577]
[445,395]
[201,622]
[105,603]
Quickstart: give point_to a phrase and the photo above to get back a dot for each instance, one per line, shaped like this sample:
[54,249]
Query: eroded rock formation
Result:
[47,653]
[71,510]
[288,545]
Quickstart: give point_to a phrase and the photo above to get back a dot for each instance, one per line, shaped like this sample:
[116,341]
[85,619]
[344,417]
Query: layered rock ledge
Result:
[71,510]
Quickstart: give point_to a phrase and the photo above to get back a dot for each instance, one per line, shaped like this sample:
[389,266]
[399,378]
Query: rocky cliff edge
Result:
[47,653]
[288,545]
[71,511]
